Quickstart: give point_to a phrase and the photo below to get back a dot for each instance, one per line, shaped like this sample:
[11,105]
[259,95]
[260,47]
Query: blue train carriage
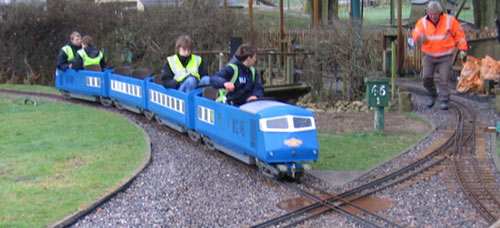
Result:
[169,106]
[84,84]
[128,90]
[277,137]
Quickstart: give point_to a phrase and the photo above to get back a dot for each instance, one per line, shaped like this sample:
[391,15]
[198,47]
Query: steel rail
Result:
[480,196]
[415,168]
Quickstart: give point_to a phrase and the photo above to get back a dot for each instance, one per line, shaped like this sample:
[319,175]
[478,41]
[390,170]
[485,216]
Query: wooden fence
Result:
[412,56]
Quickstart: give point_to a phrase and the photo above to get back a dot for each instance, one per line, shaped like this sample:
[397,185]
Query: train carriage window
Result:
[98,82]
[200,113]
[88,81]
[299,122]
[219,115]
[182,106]
[212,117]
[287,123]
[281,123]
[177,105]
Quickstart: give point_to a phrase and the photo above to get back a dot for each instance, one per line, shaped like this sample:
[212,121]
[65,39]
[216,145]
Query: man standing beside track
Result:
[438,33]
[67,53]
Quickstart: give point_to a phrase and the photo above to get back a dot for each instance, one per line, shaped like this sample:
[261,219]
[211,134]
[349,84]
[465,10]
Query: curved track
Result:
[457,152]
[459,148]
[471,173]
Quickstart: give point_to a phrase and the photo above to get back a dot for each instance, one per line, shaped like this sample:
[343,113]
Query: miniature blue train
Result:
[276,137]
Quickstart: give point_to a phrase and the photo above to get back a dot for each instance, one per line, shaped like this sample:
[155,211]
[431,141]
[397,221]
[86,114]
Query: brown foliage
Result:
[339,54]
[32,35]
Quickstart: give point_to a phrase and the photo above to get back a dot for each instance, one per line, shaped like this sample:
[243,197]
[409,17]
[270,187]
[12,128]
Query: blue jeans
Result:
[190,83]
[205,80]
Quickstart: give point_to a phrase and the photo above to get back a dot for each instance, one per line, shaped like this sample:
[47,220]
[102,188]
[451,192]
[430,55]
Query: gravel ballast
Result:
[187,185]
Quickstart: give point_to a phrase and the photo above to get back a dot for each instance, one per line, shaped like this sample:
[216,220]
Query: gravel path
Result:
[187,185]
[429,203]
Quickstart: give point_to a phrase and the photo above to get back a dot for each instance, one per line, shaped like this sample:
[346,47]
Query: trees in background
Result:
[485,13]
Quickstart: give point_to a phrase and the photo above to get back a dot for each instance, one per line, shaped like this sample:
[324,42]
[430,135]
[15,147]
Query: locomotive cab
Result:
[286,137]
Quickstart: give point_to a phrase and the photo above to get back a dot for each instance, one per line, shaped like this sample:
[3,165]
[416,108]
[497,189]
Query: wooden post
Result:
[225,5]
[392,12]
[460,8]
[282,32]
[443,4]
[393,69]
[379,119]
[270,69]
[221,60]
[250,11]
[176,3]
[400,39]
[289,70]
[404,101]
[315,13]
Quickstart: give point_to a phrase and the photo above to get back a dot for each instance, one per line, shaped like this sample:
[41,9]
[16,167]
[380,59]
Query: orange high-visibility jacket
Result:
[441,39]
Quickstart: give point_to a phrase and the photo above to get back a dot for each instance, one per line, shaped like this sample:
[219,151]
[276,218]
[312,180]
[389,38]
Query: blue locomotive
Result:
[276,137]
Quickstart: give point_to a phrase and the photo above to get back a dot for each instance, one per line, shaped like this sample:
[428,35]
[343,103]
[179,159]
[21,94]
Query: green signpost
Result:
[377,95]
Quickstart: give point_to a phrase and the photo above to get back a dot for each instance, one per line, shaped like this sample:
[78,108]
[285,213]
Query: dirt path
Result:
[364,122]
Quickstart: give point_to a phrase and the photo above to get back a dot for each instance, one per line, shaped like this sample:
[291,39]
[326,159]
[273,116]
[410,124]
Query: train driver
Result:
[88,55]
[67,53]
[183,70]
[238,82]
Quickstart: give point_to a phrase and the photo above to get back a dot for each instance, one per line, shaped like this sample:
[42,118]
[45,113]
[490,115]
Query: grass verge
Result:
[31,88]
[361,150]
[55,158]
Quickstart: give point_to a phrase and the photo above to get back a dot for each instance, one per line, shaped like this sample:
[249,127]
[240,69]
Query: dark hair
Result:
[245,51]
[184,41]
[75,34]
[87,40]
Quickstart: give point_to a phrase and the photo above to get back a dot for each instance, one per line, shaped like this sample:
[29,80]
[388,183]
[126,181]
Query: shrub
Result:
[31,35]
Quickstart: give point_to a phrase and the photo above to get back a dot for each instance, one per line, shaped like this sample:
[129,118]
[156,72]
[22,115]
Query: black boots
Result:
[443,105]
[430,101]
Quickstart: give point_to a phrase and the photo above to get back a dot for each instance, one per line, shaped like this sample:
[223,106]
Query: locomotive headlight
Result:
[315,152]
[271,153]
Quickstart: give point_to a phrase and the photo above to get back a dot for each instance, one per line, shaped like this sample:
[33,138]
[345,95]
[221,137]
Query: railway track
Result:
[472,175]
[324,203]
[457,152]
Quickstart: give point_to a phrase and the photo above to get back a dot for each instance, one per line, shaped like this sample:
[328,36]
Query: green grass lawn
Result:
[34,88]
[372,16]
[361,150]
[55,158]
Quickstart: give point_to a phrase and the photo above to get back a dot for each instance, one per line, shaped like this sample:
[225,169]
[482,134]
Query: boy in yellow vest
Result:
[67,53]
[184,70]
[239,78]
[88,55]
